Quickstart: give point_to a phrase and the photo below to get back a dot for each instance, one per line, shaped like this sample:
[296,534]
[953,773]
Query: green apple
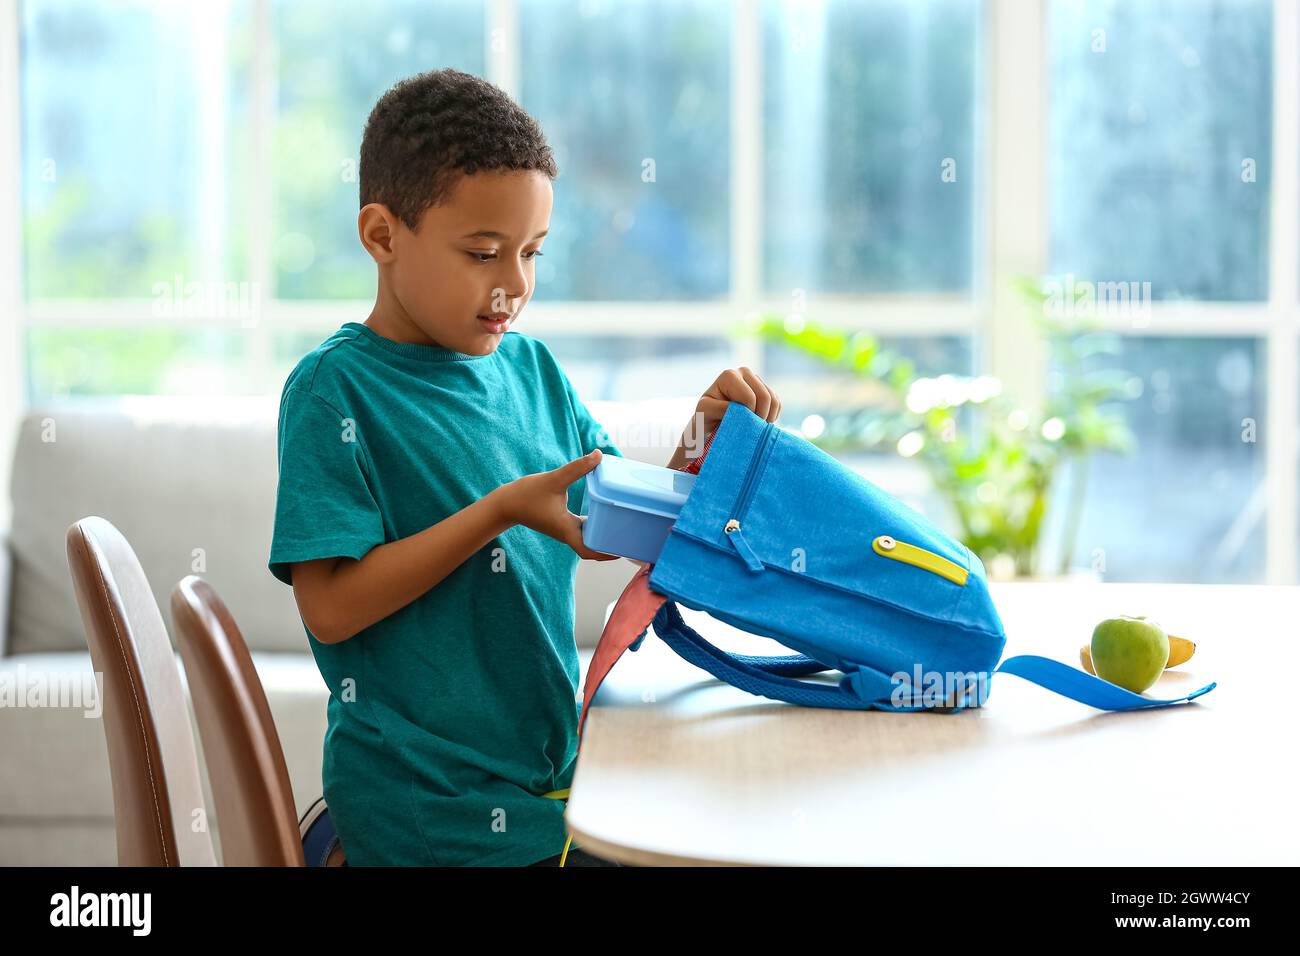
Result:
[1129,651]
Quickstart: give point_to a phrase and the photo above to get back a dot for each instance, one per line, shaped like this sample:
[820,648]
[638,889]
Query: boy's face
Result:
[462,278]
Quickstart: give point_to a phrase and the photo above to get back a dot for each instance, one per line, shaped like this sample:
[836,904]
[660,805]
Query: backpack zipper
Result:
[888,547]
[732,528]
[755,467]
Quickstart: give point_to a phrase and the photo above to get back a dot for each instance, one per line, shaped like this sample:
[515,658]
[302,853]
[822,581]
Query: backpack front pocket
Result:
[799,511]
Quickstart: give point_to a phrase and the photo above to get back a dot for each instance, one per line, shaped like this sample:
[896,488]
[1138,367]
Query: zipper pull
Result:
[887,547]
[742,546]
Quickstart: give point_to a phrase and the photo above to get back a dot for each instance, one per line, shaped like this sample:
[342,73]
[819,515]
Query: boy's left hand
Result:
[738,385]
[734,385]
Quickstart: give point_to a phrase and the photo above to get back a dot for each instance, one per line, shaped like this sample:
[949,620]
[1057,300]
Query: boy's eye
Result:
[489,256]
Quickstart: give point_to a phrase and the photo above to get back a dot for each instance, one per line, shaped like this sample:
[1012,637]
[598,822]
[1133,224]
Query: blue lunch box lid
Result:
[626,483]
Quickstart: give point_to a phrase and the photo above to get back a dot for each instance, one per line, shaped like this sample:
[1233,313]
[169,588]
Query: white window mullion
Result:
[1135,313]
[262,198]
[1280,439]
[501,45]
[1016,224]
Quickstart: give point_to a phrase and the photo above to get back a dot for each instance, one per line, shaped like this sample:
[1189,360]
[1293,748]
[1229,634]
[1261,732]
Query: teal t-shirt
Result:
[448,719]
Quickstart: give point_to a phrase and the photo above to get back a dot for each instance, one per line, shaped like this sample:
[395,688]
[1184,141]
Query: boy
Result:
[435,583]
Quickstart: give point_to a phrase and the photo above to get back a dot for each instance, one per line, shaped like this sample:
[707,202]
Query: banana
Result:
[1180,652]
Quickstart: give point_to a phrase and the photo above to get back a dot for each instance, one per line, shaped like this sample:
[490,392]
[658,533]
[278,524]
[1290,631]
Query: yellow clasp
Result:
[889,547]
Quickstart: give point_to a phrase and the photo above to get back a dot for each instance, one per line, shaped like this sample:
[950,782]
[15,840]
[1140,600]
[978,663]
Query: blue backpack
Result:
[780,539]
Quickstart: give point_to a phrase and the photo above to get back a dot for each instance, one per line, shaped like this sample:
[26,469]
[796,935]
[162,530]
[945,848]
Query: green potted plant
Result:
[993,463]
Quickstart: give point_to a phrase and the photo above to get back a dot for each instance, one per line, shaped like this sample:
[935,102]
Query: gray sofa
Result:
[191,484]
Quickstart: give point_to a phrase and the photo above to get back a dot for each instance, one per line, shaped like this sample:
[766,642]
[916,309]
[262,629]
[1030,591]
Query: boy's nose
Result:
[508,298]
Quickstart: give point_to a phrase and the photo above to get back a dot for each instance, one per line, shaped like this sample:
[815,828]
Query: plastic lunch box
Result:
[631,506]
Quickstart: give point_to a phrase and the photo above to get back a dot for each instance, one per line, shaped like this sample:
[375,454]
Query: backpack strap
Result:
[869,689]
[787,665]
[733,669]
[624,628]
[790,665]
[1084,687]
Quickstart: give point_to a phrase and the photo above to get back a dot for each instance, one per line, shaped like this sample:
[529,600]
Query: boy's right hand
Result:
[541,502]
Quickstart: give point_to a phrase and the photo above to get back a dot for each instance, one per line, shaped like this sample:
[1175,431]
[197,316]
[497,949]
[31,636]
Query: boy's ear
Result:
[377,227]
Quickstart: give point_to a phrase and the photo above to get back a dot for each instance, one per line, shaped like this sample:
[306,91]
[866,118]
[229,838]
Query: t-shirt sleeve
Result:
[324,507]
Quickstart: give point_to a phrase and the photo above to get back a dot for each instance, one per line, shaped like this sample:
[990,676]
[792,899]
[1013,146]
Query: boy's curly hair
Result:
[430,128]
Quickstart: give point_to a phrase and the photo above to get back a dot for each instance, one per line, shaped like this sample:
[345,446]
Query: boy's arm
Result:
[339,597]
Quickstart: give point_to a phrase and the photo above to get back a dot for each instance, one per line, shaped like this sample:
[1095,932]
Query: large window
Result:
[189,200]
[1160,148]
[869,160]
[1159,170]
[134,167]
